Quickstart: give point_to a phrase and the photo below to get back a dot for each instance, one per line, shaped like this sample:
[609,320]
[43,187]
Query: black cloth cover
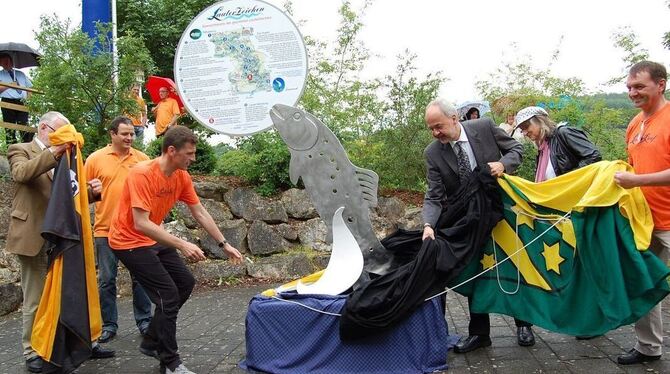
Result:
[422,269]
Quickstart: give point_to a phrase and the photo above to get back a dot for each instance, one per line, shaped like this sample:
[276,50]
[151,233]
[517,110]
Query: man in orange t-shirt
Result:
[149,252]
[648,145]
[166,112]
[111,165]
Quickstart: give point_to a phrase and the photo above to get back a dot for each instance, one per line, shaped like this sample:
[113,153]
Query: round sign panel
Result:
[235,61]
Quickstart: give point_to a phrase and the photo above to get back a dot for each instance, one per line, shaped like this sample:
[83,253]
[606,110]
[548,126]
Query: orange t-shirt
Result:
[165,110]
[137,117]
[147,188]
[112,171]
[649,152]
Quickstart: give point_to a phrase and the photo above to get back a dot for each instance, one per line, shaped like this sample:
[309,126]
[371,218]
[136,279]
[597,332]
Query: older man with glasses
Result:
[32,165]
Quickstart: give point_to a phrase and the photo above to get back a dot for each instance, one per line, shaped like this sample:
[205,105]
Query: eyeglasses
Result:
[524,126]
[47,125]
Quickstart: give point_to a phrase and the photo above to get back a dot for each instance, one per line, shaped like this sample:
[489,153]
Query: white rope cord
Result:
[308,307]
[558,220]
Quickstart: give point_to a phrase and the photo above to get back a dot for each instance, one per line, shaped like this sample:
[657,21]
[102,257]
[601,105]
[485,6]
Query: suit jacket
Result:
[29,166]
[489,143]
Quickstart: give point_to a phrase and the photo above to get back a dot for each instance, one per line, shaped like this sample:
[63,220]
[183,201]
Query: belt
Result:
[15,101]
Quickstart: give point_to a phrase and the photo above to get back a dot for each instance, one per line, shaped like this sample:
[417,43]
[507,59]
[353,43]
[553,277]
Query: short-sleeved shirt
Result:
[136,118]
[649,152]
[149,189]
[20,79]
[112,171]
[166,109]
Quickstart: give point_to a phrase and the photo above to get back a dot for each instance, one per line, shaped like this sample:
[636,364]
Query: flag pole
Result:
[115,52]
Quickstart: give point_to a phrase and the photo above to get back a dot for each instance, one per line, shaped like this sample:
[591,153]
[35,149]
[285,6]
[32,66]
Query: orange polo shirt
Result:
[137,117]
[649,152]
[149,189]
[112,171]
[165,110]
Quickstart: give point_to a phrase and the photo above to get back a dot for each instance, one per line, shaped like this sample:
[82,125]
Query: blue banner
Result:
[93,11]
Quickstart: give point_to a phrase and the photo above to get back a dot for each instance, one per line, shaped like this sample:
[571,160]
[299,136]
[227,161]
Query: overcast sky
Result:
[465,40]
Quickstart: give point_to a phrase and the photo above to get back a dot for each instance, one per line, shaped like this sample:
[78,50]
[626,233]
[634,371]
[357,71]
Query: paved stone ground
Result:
[211,340]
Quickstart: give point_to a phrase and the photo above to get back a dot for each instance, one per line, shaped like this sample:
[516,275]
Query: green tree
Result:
[626,40]
[76,76]
[205,158]
[160,23]
[666,37]
[335,92]
[395,149]
[517,85]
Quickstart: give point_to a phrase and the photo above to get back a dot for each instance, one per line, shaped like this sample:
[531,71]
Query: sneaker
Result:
[181,369]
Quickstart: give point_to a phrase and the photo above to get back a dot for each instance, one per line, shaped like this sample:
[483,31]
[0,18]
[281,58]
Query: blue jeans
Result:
[107,270]
[139,131]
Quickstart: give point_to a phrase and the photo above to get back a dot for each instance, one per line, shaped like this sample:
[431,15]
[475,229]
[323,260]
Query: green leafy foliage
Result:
[626,40]
[262,159]
[395,149]
[160,23]
[205,158]
[76,77]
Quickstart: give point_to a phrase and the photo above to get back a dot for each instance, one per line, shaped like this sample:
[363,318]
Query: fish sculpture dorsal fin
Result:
[369,182]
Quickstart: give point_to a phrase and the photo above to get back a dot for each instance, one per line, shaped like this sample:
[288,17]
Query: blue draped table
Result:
[283,337]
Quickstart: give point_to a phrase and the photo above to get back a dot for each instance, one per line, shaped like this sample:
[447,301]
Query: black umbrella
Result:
[22,55]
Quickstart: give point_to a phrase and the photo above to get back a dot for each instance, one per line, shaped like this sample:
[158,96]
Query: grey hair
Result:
[445,107]
[546,125]
[51,117]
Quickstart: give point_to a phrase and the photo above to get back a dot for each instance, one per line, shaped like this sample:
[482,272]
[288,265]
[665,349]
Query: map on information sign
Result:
[250,73]
[235,61]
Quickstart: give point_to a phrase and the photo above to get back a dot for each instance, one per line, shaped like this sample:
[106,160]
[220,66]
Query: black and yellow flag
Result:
[68,318]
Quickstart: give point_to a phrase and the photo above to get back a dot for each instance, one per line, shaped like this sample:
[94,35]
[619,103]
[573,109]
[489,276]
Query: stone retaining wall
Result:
[283,237]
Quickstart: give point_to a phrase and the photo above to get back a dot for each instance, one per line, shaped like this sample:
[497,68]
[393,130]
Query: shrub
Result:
[262,159]
[205,160]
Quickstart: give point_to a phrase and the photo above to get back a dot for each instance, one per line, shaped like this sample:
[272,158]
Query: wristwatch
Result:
[427,225]
[223,243]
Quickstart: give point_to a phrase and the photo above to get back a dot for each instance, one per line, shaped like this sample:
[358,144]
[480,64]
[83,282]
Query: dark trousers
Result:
[168,283]
[15,116]
[108,266]
[481,325]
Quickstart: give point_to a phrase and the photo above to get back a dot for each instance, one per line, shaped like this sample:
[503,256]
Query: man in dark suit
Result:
[32,167]
[457,150]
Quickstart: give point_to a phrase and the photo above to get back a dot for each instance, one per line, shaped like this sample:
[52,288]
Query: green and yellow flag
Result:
[571,253]
[68,318]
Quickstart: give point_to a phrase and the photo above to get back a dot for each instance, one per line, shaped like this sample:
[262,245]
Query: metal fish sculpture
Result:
[331,180]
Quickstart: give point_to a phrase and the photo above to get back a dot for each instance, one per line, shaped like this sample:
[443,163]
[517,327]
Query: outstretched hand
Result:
[233,254]
[192,252]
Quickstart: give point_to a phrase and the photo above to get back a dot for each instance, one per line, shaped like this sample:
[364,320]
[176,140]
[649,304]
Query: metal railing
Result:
[17,107]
